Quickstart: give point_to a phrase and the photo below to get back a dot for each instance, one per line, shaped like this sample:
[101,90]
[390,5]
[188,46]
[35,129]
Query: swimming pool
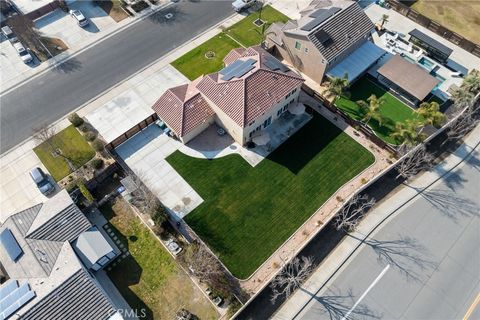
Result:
[427,64]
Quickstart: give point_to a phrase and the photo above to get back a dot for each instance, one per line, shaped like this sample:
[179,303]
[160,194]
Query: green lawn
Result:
[149,278]
[73,146]
[393,110]
[249,212]
[247,33]
[194,63]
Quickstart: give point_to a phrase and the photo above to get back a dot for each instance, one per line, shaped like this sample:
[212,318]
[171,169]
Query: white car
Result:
[22,52]
[78,15]
[173,246]
[240,5]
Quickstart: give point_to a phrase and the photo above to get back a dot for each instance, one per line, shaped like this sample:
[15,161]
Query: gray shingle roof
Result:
[345,28]
[78,297]
[66,225]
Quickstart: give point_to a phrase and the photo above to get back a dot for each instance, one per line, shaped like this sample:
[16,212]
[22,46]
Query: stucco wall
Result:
[197,130]
[272,112]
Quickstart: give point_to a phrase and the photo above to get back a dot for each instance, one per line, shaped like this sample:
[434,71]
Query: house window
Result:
[267,122]
[298,45]
[279,112]
[291,101]
[285,108]
[306,50]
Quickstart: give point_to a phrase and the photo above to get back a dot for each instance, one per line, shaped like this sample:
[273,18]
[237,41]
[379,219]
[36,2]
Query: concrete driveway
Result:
[145,154]
[61,25]
[17,189]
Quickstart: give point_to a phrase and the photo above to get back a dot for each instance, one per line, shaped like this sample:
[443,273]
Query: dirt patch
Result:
[113,9]
[54,45]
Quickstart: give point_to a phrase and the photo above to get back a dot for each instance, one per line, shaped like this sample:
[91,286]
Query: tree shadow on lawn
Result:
[295,153]
[126,272]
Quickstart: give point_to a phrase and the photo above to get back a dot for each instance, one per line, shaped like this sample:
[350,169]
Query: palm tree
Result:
[337,87]
[383,20]
[372,109]
[408,132]
[431,113]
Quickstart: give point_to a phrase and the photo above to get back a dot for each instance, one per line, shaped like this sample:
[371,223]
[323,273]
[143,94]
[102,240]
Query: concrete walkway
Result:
[381,212]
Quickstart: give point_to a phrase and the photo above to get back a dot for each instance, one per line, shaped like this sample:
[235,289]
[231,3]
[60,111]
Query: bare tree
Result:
[418,159]
[24,28]
[351,213]
[291,277]
[465,121]
[143,198]
[203,263]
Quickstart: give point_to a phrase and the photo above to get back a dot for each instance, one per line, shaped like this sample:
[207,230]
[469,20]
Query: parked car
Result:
[8,33]
[78,15]
[240,5]
[42,181]
[22,52]
[173,246]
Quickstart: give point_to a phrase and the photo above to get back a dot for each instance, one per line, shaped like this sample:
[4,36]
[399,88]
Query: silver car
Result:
[8,33]
[173,247]
[78,15]
[22,52]
[42,181]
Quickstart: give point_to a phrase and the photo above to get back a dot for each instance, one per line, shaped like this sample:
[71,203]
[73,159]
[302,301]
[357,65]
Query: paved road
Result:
[57,92]
[423,264]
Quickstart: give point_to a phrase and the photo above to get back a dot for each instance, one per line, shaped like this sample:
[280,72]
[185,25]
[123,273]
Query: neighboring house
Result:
[38,258]
[331,38]
[246,96]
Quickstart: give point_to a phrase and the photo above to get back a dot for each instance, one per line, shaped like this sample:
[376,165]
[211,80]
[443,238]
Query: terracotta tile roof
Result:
[183,108]
[246,98]
[243,98]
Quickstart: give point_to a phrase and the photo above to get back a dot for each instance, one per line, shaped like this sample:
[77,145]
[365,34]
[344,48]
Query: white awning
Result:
[262,138]
[297,108]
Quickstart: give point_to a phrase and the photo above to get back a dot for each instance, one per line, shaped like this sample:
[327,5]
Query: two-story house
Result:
[252,91]
[331,38]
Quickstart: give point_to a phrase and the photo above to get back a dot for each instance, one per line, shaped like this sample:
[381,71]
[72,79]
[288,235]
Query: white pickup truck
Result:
[240,5]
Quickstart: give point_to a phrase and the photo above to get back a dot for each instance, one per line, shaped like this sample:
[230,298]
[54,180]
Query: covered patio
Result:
[407,79]
[358,62]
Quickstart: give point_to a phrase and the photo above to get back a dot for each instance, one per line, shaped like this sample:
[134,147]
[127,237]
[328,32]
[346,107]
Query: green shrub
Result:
[159,216]
[83,127]
[71,185]
[97,145]
[75,119]
[84,191]
[96,163]
[90,136]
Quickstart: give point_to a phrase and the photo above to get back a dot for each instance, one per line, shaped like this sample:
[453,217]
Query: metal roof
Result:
[430,41]
[92,246]
[357,62]
[79,297]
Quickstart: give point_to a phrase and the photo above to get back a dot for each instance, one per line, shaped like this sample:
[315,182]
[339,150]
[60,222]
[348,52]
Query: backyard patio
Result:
[261,207]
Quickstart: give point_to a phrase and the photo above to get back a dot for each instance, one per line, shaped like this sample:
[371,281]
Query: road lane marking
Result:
[472,307]
[367,291]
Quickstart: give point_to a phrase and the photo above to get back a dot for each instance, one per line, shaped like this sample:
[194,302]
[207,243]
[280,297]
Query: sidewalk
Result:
[382,212]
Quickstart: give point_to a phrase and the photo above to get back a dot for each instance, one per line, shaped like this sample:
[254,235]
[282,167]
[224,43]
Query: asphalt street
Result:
[424,263]
[57,92]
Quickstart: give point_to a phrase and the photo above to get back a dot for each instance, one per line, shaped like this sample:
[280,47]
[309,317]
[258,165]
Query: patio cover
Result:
[357,62]
[409,77]
[431,42]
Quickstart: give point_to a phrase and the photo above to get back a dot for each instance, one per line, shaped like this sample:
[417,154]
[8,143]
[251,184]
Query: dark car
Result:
[42,181]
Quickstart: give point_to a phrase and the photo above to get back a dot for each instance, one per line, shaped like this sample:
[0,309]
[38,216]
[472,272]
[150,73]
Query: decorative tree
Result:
[431,113]
[291,277]
[408,132]
[337,87]
[353,211]
[417,160]
[383,20]
[372,109]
